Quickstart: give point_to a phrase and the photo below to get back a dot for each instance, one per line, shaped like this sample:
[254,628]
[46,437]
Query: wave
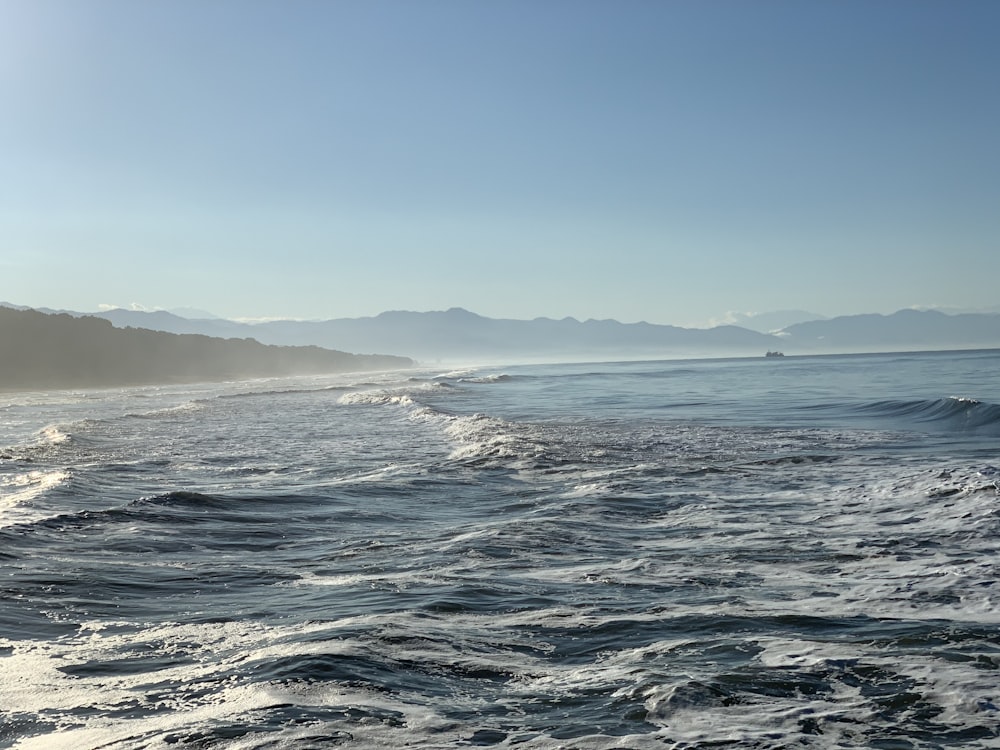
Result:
[956,412]
[482,438]
[478,438]
[20,489]
[400,396]
[284,392]
[183,499]
[53,435]
[557,446]
[499,378]
[165,411]
[953,414]
[376,398]
[195,507]
[51,438]
[455,374]
[176,508]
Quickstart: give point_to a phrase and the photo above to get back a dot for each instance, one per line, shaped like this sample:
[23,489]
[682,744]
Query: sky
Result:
[658,160]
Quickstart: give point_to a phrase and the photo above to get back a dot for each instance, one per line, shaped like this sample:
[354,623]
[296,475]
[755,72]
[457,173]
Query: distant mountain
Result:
[161,320]
[193,313]
[46,310]
[905,329]
[458,334]
[40,351]
[769,322]
[961,310]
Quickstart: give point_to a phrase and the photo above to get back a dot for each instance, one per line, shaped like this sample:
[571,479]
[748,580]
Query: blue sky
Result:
[659,160]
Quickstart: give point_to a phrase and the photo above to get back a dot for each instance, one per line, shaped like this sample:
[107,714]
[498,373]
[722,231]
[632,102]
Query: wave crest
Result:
[954,412]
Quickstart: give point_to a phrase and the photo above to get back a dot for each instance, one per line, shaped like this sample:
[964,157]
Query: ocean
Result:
[752,553]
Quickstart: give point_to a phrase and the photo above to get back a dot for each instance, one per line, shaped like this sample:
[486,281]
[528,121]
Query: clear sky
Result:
[659,160]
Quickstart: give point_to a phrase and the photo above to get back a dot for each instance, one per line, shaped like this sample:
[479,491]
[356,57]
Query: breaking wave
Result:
[954,413]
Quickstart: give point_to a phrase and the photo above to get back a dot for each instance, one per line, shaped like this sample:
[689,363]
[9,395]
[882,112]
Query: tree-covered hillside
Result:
[39,351]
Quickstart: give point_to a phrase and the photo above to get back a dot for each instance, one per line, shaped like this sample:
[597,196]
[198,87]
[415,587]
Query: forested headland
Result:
[40,351]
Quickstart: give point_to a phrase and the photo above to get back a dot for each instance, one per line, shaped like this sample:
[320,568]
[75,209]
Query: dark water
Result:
[732,553]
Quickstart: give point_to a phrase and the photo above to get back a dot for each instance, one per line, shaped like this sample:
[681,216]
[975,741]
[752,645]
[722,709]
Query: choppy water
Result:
[732,553]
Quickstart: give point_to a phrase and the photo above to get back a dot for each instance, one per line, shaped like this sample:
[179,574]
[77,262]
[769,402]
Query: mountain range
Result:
[904,329]
[460,335]
[43,351]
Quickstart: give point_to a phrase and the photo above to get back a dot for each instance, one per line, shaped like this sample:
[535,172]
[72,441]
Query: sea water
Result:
[766,553]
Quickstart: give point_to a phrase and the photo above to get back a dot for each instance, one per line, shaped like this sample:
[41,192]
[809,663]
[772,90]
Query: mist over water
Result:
[712,553]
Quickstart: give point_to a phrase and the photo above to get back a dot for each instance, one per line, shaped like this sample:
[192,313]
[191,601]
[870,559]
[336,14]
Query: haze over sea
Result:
[766,553]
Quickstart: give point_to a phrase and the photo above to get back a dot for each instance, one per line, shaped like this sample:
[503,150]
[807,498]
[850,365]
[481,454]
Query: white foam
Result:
[455,374]
[31,682]
[486,379]
[400,395]
[376,398]
[20,489]
[52,435]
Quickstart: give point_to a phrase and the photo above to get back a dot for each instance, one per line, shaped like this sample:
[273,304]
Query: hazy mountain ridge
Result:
[458,334]
[41,351]
[769,322]
[904,329]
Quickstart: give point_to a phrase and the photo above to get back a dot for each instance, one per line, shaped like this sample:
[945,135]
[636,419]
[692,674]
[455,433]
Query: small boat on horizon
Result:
[775,354]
